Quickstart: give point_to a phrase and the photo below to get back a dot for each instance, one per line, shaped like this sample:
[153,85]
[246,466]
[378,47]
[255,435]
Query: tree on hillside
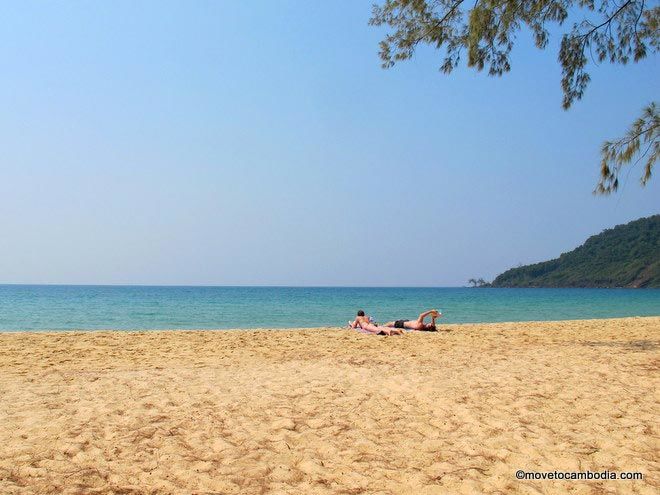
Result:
[477,282]
[485,30]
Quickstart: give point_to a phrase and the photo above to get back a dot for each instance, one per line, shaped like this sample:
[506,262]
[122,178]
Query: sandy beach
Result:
[330,410]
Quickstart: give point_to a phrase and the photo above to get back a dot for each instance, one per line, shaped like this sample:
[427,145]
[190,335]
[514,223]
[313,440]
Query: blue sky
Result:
[260,143]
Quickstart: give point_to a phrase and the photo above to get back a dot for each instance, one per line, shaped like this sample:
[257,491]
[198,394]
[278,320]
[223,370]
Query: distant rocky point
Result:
[625,256]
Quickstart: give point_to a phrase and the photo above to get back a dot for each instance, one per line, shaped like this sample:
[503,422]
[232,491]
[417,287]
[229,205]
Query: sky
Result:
[261,143]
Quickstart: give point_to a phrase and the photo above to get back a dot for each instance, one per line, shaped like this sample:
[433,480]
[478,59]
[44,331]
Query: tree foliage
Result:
[642,140]
[625,256]
[484,31]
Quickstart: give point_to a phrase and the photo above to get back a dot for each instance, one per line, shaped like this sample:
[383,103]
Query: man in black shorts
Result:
[417,324]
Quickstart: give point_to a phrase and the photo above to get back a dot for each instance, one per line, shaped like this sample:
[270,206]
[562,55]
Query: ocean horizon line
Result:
[11,284]
[230,286]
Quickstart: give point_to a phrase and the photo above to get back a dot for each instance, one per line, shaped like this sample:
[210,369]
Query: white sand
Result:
[331,411]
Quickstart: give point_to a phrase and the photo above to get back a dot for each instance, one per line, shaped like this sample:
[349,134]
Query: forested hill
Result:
[625,256]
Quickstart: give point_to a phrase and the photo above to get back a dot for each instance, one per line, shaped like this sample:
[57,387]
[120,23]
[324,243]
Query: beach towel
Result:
[362,330]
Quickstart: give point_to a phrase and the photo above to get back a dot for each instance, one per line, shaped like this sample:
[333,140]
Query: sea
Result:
[87,307]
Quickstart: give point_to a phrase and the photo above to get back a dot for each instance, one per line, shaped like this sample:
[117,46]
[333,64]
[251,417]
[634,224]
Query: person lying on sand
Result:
[365,324]
[417,324]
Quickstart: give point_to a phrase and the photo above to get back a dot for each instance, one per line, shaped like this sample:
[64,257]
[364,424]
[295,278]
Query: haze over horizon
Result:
[213,143]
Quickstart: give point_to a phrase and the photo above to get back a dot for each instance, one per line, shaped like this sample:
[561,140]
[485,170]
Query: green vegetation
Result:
[484,32]
[625,256]
[480,282]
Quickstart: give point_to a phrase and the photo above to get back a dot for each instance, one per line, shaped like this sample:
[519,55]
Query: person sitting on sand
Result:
[417,324]
[365,324]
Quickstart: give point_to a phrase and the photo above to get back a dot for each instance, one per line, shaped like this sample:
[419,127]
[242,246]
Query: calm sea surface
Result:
[59,307]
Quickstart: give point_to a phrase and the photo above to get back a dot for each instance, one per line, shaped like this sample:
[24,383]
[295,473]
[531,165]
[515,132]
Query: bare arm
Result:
[423,315]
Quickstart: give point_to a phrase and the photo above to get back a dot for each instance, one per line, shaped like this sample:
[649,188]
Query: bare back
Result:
[362,321]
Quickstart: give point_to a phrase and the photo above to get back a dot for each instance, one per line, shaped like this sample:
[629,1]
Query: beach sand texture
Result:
[331,411]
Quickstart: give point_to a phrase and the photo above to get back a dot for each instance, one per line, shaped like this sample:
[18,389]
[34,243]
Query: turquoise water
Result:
[59,307]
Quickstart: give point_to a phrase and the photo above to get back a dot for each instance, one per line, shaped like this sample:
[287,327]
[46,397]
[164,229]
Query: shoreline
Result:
[331,411]
[441,326]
